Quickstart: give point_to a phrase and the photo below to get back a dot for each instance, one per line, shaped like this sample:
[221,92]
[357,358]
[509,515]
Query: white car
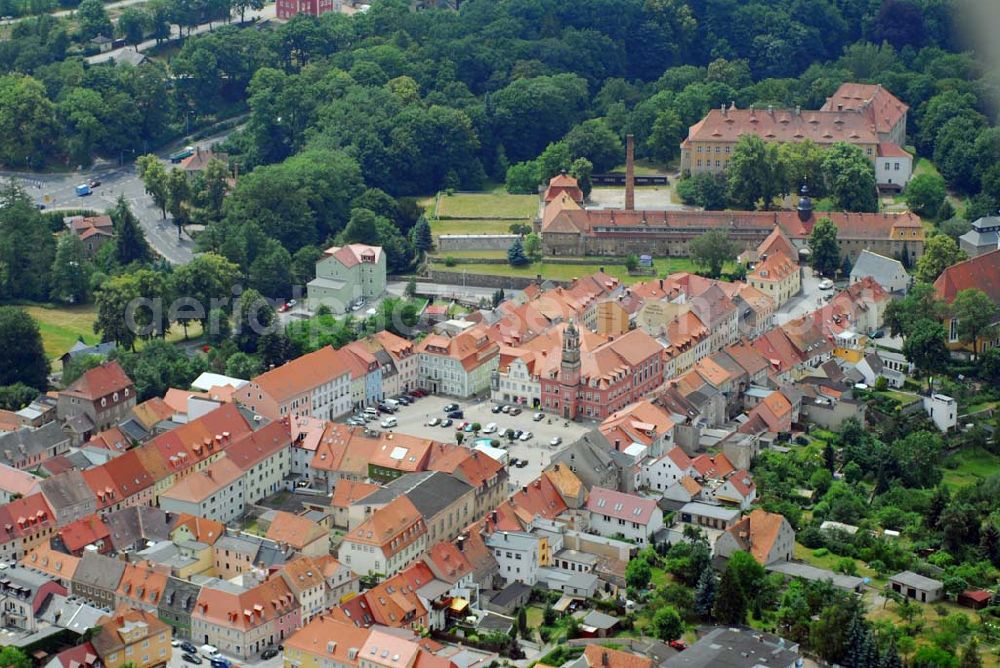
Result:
[826,284]
[433,422]
[526,436]
[556,440]
[538,417]
[490,428]
[388,423]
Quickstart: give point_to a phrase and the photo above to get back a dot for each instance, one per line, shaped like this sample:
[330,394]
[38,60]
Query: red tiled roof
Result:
[100,381]
[83,532]
[879,106]
[783,125]
[981,273]
[621,506]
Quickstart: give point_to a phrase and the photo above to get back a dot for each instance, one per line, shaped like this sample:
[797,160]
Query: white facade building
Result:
[517,554]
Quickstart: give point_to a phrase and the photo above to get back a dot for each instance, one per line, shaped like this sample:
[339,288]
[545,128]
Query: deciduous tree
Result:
[154,179]
[712,250]
[755,173]
[850,178]
[977,316]
[824,247]
[925,194]
[940,252]
[22,357]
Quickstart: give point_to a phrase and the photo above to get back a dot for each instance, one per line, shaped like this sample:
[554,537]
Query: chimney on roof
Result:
[629,172]
[840,107]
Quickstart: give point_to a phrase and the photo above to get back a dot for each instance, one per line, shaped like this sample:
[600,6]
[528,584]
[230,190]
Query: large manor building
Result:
[865,115]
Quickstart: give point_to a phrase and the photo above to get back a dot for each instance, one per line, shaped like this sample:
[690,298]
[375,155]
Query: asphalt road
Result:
[57,191]
[268,12]
[67,12]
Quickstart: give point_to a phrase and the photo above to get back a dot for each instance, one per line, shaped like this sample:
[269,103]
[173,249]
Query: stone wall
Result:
[484,280]
[470,242]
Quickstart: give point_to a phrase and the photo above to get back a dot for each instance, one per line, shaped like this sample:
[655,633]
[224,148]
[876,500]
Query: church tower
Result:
[569,370]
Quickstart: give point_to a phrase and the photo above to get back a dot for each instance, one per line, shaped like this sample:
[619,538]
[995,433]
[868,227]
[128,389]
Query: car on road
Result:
[878,334]
[526,436]
[447,422]
[448,408]
[495,408]
[490,428]
[189,647]
[191,658]
[826,284]
[93,183]
[433,422]
[219,661]
[556,440]
[538,417]
[269,653]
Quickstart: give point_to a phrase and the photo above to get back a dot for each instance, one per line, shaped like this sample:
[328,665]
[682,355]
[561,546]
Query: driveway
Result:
[536,451]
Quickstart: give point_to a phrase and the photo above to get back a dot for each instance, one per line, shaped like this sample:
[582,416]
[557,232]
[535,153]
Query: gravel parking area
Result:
[537,450]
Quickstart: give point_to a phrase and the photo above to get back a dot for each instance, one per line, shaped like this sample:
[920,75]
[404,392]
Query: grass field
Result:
[471,226]
[829,561]
[488,204]
[62,327]
[565,272]
[973,466]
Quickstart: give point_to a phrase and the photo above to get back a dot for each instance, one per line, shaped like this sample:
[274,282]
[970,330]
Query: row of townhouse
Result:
[329,383]
[252,467]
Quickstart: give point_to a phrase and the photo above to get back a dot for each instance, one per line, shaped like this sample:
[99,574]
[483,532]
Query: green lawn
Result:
[973,466]
[904,398]
[565,272]
[534,615]
[829,561]
[472,226]
[496,204]
[62,327]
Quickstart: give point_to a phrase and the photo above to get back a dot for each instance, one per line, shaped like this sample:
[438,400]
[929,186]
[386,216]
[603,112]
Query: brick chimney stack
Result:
[629,173]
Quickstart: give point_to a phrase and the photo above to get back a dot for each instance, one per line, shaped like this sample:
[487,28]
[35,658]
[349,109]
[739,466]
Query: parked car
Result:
[176,642]
[208,651]
[826,284]
[521,464]
[447,422]
[283,308]
[269,653]
[490,428]
[189,647]
[418,393]
[496,408]
[410,397]
[386,408]
[505,409]
[456,415]
[468,427]
[538,417]
[878,334]
[191,658]
[679,645]
[433,422]
[517,434]
[556,440]
[94,183]
[450,407]
[515,411]
[219,661]
[526,436]
[388,423]
[356,422]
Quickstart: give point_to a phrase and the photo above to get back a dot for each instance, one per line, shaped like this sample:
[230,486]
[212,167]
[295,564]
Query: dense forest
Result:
[350,115]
